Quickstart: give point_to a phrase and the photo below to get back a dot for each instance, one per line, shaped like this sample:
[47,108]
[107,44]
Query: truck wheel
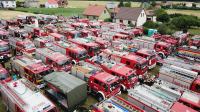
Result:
[73,62]
[161,55]
[99,97]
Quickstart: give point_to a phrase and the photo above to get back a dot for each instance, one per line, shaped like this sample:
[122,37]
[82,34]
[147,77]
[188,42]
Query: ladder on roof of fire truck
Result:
[149,101]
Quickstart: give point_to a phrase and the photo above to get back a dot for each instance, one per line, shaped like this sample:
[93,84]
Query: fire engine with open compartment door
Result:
[179,76]
[133,61]
[22,96]
[70,49]
[4,51]
[149,55]
[91,47]
[115,104]
[102,84]
[21,45]
[163,49]
[60,62]
[190,53]
[31,69]
[127,76]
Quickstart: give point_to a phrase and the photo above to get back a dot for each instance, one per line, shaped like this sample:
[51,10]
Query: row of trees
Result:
[167,24]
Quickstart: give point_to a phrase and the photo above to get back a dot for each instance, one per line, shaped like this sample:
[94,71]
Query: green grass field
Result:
[194,31]
[187,12]
[53,11]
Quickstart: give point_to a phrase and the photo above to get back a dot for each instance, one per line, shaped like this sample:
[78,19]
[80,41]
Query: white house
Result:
[127,15]
[51,4]
[8,3]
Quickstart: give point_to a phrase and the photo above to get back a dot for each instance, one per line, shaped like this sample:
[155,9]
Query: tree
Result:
[153,3]
[164,29]
[163,18]
[128,4]
[121,3]
[150,24]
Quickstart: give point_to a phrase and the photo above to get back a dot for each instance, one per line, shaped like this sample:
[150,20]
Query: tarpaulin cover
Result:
[74,88]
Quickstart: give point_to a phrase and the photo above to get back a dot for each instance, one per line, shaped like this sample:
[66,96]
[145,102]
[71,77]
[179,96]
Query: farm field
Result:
[6,14]
[187,12]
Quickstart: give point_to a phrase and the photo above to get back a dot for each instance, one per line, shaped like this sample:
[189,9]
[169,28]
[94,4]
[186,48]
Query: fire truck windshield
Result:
[29,45]
[82,55]
[45,72]
[3,75]
[4,48]
[95,49]
[114,85]
[63,62]
[141,66]
[131,76]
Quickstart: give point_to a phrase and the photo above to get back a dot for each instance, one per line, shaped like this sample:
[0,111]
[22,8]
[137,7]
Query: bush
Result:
[163,17]
[146,31]
[121,3]
[151,24]
[128,4]
[108,20]
[165,29]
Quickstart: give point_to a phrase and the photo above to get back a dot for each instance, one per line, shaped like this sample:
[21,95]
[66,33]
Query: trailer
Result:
[66,90]
[180,76]
[23,96]
[116,104]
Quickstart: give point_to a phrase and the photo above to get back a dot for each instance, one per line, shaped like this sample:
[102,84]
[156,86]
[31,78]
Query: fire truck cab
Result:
[91,47]
[195,41]
[70,49]
[103,43]
[22,45]
[4,51]
[103,85]
[121,36]
[41,42]
[70,34]
[31,69]
[133,61]
[57,37]
[127,76]
[22,96]
[60,62]
[149,55]
[4,35]
[39,32]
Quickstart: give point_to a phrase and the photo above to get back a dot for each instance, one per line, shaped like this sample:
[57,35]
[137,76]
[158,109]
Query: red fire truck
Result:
[103,43]
[163,49]
[121,36]
[115,104]
[190,53]
[4,51]
[3,73]
[195,41]
[39,32]
[50,28]
[157,99]
[57,37]
[60,62]
[103,85]
[4,35]
[91,47]
[42,42]
[22,45]
[133,61]
[31,69]
[23,96]
[70,49]
[128,77]
[181,77]
[70,33]
[149,55]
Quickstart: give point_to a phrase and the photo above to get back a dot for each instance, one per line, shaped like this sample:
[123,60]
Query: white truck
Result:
[22,96]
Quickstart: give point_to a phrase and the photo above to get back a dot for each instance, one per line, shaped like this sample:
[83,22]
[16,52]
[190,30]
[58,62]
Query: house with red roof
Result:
[98,12]
[51,4]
